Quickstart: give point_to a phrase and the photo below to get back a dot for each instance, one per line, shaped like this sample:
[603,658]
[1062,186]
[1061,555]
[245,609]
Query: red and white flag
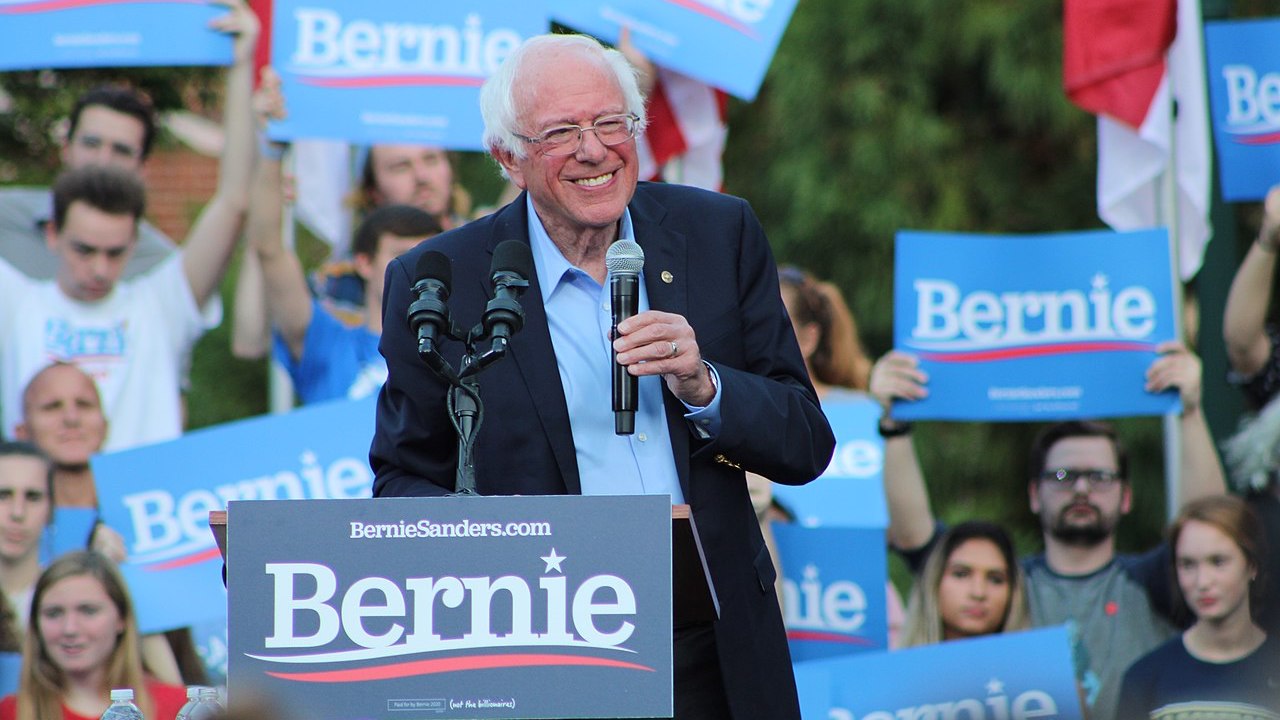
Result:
[684,142]
[1132,62]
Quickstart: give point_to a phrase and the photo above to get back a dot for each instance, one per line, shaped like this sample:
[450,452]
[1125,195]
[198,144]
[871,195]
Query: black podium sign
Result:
[480,607]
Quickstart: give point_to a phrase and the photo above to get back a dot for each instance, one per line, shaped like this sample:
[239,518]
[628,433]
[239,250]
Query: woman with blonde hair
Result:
[81,642]
[971,585]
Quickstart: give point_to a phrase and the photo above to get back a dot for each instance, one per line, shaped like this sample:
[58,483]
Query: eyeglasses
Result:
[1066,478]
[566,139]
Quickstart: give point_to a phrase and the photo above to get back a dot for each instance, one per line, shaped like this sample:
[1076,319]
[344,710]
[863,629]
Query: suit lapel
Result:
[533,355]
[666,280]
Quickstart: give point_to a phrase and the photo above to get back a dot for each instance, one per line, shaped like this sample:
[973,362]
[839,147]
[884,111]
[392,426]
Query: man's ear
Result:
[20,432]
[507,160]
[1033,497]
[51,236]
[1126,499]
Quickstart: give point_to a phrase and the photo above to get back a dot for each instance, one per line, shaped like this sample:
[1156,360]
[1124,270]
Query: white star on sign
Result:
[553,561]
[994,686]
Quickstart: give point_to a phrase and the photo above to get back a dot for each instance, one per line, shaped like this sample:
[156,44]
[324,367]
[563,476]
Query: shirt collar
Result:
[548,261]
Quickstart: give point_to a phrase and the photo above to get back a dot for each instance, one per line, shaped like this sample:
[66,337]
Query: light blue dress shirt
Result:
[579,318]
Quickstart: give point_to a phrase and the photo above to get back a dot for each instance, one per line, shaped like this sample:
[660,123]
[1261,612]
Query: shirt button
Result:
[642,437]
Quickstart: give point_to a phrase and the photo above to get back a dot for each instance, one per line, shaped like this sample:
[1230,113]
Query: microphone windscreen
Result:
[434,265]
[624,256]
[514,257]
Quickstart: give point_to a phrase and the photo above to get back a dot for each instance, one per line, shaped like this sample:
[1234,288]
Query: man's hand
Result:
[897,376]
[660,343]
[1176,367]
[240,22]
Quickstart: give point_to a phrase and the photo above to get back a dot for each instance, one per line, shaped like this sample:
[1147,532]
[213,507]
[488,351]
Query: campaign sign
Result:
[393,71]
[833,589]
[453,607]
[71,529]
[1034,327]
[850,493]
[37,34]
[695,37]
[159,496]
[1243,70]
[1010,676]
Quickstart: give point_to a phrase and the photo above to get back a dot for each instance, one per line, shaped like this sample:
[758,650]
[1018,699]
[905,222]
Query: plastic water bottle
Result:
[193,697]
[122,707]
[207,705]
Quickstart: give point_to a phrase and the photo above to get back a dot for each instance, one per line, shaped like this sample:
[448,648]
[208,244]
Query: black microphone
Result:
[503,317]
[429,314]
[625,260]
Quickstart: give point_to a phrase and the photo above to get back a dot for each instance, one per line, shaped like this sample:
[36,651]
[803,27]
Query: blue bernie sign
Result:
[1243,71]
[850,493]
[1010,675]
[833,589]
[393,71]
[159,496]
[1034,327]
[37,34]
[694,37]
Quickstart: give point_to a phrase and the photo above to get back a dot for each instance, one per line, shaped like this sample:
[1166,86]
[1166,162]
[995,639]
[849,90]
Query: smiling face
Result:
[974,592]
[79,625]
[584,193]
[62,415]
[1213,573]
[25,507]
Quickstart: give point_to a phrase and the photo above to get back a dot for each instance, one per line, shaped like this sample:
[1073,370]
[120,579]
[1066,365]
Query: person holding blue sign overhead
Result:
[1078,487]
[135,335]
[1225,665]
[1253,345]
[326,358]
[722,384]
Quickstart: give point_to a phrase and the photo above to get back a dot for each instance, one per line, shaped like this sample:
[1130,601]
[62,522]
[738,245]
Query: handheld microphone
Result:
[429,313]
[503,317]
[624,260]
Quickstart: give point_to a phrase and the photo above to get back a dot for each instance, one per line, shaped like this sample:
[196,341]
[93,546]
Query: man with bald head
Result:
[722,387]
[62,415]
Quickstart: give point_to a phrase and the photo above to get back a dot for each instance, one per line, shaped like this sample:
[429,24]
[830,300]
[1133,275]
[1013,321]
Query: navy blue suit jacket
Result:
[706,258]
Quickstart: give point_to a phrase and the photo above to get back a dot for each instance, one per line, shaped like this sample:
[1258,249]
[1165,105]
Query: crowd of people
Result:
[100,312]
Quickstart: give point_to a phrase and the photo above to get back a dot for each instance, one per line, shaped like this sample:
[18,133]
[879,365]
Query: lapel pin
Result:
[667,277]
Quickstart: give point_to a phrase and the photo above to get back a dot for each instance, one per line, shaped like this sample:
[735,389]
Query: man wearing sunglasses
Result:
[1117,605]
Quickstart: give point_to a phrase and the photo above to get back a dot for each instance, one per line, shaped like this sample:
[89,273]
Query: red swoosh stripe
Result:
[193,559]
[393,81]
[1267,139]
[717,16]
[825,637]
[55,5]
[443,665]
[1035,351]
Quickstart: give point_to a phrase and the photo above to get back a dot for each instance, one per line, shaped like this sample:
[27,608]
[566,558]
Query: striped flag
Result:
[1132,62]
[685,139]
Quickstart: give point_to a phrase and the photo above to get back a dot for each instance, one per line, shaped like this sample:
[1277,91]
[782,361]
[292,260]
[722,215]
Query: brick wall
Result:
[179,183]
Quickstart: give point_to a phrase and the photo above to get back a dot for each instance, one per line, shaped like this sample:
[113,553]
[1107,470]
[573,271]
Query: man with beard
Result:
[1117,606]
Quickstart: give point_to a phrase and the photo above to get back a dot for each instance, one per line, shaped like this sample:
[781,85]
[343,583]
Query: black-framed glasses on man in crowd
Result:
[1066,478]
[566,139]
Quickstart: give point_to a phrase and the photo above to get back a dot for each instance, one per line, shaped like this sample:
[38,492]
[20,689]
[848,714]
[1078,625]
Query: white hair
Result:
[1253,453]
[497,96]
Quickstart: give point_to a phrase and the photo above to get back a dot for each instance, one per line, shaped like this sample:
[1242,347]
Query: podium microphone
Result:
[503,317]
[624,260]
[429,313]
